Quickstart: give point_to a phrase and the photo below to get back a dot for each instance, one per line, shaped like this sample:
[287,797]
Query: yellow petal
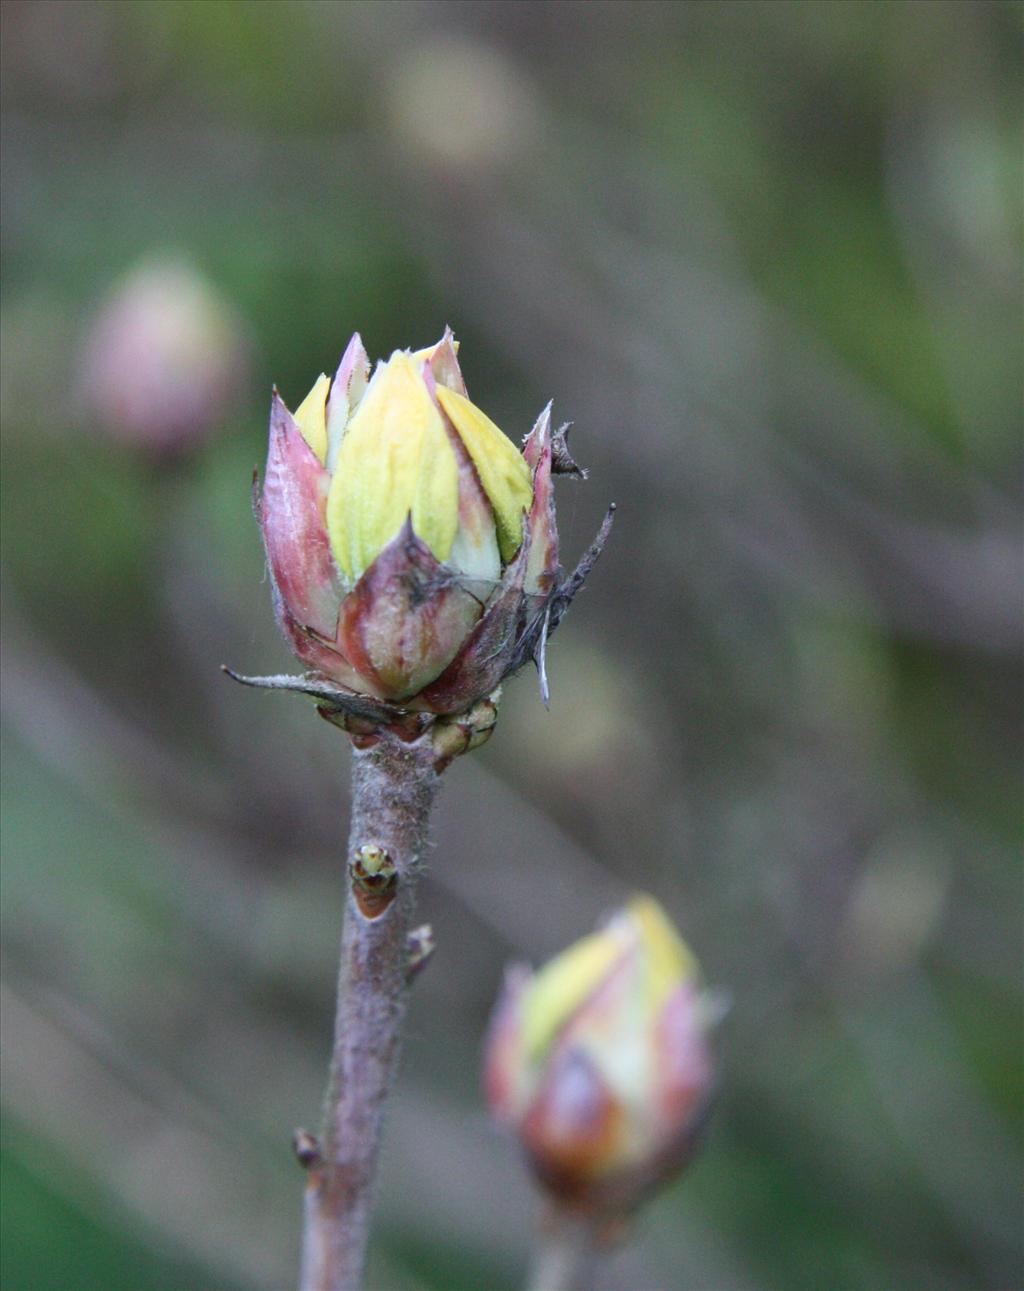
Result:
[669,960]
[503,472]
[395,458]
[312,418]
[422,355]
[561,987]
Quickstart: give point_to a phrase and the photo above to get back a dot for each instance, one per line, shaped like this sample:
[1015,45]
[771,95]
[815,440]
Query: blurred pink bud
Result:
[412,547]
[600,1061]
[163,359]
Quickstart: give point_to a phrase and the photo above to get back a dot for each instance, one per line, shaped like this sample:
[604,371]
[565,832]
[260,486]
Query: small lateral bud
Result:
[307,1149]
[482,719]
[453,736]
[374,878]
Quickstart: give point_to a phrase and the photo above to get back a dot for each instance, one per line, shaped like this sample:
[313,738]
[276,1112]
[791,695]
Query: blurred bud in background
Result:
[894,910]
[460,104]
[600,1061]
[163,358]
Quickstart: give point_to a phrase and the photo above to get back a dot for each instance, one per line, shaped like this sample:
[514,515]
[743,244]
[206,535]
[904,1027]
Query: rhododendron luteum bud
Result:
[412,547]
[600,1060]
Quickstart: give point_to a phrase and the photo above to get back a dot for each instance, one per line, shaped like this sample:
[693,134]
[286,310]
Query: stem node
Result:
[307,1150]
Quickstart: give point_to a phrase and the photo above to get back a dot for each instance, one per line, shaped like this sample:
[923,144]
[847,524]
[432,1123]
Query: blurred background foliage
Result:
[768,257]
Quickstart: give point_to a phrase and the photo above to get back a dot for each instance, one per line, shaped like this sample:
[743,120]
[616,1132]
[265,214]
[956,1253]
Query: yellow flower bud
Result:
[412,547]
[600,1060]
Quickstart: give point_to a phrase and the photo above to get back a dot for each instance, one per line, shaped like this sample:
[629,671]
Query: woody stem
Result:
[393,790]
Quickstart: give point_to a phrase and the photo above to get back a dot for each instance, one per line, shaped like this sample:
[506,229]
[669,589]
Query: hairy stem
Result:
[567,1254]
[393,789]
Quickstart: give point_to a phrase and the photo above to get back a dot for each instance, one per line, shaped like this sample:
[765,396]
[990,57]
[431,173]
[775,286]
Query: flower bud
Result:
[412,547]
[600,1061]
[164,357]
